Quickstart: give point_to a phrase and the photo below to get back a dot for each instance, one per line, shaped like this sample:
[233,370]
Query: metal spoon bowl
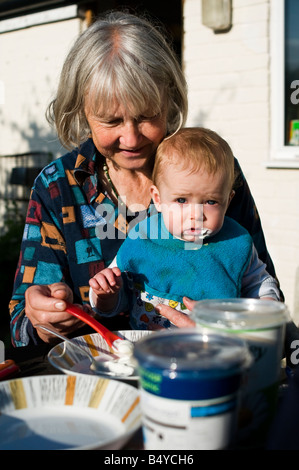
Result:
[110,367]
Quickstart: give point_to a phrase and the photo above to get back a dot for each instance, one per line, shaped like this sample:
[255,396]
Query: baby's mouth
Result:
[200,233]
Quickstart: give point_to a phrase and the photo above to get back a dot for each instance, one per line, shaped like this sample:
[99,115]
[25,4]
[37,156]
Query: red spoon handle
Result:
[108,335]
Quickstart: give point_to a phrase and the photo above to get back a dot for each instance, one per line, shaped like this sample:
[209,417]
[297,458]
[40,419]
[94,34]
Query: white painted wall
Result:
[229,91]
[30,64]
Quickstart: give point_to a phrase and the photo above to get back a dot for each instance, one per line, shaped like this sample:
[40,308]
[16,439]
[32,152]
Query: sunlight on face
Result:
[192,203]
[128,141]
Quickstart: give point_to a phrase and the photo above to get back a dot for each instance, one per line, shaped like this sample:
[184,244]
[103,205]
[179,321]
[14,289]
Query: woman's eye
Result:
[113,122]
[108,123]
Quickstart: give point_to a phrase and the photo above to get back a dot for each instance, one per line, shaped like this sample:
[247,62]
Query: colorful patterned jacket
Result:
[73,230]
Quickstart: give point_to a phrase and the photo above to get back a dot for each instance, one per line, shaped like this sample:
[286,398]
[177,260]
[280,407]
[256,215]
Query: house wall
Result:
[229,83]
[30,64]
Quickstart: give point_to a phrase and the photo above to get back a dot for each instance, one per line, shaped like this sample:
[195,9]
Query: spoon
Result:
[117,344]
[94,364]
[109,367]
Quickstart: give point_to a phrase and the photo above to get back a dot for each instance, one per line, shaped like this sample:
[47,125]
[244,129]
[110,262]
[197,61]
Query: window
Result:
[37,18]
[284,40]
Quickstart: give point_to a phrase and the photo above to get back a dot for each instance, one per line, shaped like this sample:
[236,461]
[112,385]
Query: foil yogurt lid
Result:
[240,314]
[184,349]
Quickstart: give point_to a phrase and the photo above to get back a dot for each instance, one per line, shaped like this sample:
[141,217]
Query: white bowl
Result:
[69,360]
[67,412]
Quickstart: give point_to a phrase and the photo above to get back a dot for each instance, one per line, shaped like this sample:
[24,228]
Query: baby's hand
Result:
[105,287]
[106,282]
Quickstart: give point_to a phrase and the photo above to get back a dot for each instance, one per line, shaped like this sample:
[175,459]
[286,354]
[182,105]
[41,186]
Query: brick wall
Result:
[229,91]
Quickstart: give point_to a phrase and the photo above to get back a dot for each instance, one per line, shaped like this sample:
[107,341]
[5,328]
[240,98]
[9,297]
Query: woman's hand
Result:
[179,319]
[46,305]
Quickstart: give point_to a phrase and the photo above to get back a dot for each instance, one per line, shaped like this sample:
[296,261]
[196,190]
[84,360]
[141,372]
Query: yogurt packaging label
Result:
[190,387]
[266,348]
[260,387]
[261,324]
[183,424]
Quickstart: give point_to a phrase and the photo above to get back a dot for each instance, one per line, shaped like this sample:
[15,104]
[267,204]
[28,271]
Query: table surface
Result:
[32,360]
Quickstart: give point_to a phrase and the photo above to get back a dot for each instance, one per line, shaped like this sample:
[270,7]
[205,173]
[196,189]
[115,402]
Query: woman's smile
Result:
[132,152]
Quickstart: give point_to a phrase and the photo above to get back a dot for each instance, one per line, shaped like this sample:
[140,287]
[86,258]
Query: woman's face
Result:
[127,141]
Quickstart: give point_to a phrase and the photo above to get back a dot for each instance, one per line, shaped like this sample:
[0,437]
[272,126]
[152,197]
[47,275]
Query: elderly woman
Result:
[121,92]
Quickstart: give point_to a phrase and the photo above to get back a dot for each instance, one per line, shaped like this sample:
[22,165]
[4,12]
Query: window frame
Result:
[38,18]
[281,155]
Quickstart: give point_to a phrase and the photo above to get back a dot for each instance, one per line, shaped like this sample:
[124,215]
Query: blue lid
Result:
[186,349]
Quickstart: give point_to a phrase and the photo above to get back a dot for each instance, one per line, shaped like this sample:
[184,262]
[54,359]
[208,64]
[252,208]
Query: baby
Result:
[187,246]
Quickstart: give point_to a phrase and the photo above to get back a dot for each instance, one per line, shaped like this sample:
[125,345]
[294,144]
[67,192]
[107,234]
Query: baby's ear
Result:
[156,197]
[232,193]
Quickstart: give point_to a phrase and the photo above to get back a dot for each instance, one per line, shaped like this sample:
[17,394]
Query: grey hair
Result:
[120,59]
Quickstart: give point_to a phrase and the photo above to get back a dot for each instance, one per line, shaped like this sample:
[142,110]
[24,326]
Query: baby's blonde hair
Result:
[193,148]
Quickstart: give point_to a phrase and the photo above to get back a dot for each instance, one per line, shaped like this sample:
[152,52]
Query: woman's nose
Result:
[130,136]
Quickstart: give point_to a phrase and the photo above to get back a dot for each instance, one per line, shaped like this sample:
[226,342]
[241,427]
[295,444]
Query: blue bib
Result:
[171,268]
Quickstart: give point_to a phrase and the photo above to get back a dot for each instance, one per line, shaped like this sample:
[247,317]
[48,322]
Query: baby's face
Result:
[192,203]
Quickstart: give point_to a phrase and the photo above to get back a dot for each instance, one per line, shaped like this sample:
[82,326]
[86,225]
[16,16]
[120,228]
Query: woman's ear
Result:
[156,197]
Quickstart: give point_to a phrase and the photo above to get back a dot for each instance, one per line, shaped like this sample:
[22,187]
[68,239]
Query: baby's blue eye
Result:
[181,200]
[211,203]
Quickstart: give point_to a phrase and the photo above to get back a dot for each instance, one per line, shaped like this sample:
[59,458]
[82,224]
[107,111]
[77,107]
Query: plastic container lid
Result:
[185,349]
[240,314]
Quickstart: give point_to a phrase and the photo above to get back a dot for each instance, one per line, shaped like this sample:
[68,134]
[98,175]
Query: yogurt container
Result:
[261,323]
[190,387]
